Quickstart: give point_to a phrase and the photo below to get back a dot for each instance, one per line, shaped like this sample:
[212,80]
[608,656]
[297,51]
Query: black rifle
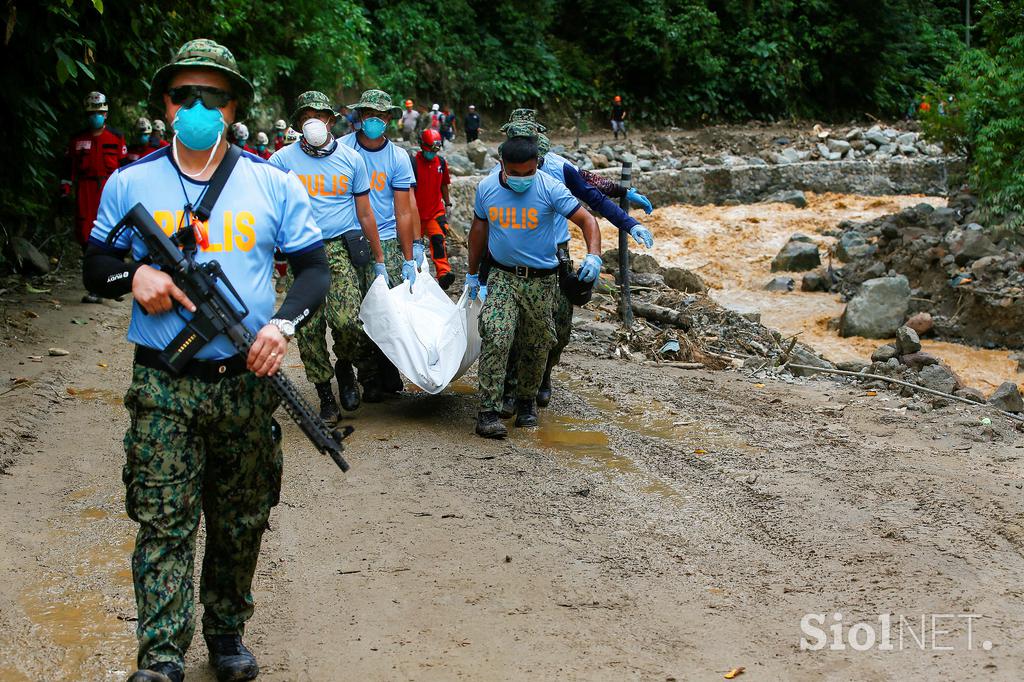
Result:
[217,314]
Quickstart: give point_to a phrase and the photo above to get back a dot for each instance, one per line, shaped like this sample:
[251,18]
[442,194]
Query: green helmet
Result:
[203,53]
[378,100]
[315,100]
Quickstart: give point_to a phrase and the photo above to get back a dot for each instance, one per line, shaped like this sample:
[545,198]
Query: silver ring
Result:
[273,354]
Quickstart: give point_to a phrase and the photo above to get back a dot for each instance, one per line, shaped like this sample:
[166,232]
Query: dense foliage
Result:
[673,60]
[986,119]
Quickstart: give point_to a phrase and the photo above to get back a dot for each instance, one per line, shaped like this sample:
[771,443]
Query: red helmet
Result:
[618,98]
[430,140]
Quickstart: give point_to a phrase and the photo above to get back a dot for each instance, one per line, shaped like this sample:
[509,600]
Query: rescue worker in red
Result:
[159,138]
[279,130]
[92,156]
[240,133]
[143,142]
[433,200]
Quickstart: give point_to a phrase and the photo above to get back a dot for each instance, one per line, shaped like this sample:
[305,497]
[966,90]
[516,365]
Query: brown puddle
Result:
[731,247]
[98,394]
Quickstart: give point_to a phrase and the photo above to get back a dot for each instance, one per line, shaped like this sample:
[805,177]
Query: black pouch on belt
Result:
[578,293]
[358,248]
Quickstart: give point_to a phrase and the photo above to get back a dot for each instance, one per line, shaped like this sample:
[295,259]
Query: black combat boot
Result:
[230,659]
[526,413]
[347,389]
[372,392]
[329,411]
[508,407]
[489,426]
[544,392]
[159,672]
[391,378]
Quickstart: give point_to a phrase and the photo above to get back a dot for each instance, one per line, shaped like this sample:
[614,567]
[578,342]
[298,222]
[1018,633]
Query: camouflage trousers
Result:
[562,317]
[340,312]
[197,448]
[371,360]
[517,313]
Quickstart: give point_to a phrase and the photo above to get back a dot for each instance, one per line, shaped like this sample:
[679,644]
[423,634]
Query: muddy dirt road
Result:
[662,524]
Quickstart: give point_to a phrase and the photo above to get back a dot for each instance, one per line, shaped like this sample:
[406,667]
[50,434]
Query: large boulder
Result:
[1007,398]
[644,263]
[459,164]
[797,256]
[28,259]
[878,310]
[792,197]
[852,245]
[937,378]
[477,153]
[685,280]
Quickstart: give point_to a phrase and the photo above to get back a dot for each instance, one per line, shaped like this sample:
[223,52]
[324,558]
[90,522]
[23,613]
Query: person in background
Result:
[432,202]
[436,117]
[92,155]
[142,144]
[240,133]
[618,117]
[448,127]
[472,124]
[280,127]
[263,145]
[410,121]
[159,138]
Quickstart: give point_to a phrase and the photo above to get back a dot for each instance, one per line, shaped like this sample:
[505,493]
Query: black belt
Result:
[210,371]
[523,270]
[328,240]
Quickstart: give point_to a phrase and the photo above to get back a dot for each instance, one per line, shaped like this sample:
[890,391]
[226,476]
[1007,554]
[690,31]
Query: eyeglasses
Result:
[434,147]
[213,98]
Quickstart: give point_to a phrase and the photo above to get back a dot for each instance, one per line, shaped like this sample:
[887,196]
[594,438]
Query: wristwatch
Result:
[287,327]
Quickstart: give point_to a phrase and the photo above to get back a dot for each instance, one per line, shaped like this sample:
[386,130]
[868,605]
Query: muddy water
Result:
[732,247]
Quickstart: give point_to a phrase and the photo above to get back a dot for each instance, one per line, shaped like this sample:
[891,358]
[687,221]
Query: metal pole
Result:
[627,299]
[967,30]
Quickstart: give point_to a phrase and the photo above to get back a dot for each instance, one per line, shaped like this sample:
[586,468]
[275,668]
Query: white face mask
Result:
[315,132]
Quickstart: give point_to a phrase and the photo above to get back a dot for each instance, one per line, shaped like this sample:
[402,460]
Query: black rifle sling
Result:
[220,178]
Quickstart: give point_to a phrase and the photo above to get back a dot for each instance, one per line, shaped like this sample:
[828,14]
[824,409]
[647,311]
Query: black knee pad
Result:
[437,246]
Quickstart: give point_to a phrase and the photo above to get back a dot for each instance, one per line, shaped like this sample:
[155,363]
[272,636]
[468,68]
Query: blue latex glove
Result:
[639,199]
[409,271]
[642,235]
[473,285]
[590,269]
[379,270]
[417,253]
[483,293]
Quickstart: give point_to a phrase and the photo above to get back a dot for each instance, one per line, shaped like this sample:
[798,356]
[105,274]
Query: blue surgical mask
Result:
[197,127]
[143,138]
[374,127]
[429,156]
[96,120]
[260,147]
[519,183]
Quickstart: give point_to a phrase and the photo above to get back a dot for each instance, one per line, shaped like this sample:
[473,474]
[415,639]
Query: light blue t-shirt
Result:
[554,165]
[390,171]
[333,183]
[522,229]
[261,207]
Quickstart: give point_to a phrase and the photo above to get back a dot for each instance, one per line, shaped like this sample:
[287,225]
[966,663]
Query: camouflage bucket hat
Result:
[520,129]
[523,116]
[315,100]
[543,144]
[378,100]
[203,53]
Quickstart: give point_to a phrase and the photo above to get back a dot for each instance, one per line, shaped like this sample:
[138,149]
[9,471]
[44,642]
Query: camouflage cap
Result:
[520,129]
[203,53]
[523,116]
[378,100]
[543,144]
[315,100]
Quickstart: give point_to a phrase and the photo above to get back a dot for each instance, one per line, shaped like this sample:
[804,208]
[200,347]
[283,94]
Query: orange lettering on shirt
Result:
[507,216]
[378,180]
[245,224]
[340,184]
[228,241]
[165,219]
[531,219]
[492,214]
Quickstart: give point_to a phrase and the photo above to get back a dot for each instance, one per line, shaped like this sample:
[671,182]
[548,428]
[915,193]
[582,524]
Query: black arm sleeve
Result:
[105,273]
[309,290]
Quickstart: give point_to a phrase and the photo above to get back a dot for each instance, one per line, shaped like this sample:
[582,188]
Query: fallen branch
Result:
[661,314]
[898,382]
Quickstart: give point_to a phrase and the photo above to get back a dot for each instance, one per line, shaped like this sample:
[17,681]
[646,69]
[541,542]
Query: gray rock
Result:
[685,280]
[932,150]
[854,134]
[884,353]
[599,160]
[907,149]
[972,394]
[1007,398]
[878,310]
[459,164]
[907,341]
[28,259]
[477,152]
[870,148]
[606,152]
[647,279]
[813,281]
[792,197]
[921,323]
[918,361]
[645,165]
[644,263]
[792,154]
[626,157]
[786,284]
[802,355]
[853,365]
[937,378]
[974,245]
[796,256]
[840,146]
[852,245]
[876,137]
[823,150]
[907,139]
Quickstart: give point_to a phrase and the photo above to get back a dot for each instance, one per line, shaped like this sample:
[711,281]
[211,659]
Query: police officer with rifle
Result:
[201,219]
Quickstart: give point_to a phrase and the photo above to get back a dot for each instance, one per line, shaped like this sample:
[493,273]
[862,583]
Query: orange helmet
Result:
[430,140]
[408,103]
[618,98]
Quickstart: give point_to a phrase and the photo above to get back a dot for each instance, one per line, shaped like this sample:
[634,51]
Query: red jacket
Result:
[136,152]
[430,177]
[94,156]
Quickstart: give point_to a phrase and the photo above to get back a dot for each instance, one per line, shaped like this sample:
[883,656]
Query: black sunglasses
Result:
[213,98]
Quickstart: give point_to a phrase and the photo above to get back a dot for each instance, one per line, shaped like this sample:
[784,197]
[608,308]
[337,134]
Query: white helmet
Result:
[261,138]
[240,131]
[291,136]
[435,107]
[95,101]
[143,125]
[159,126]
[279,124]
